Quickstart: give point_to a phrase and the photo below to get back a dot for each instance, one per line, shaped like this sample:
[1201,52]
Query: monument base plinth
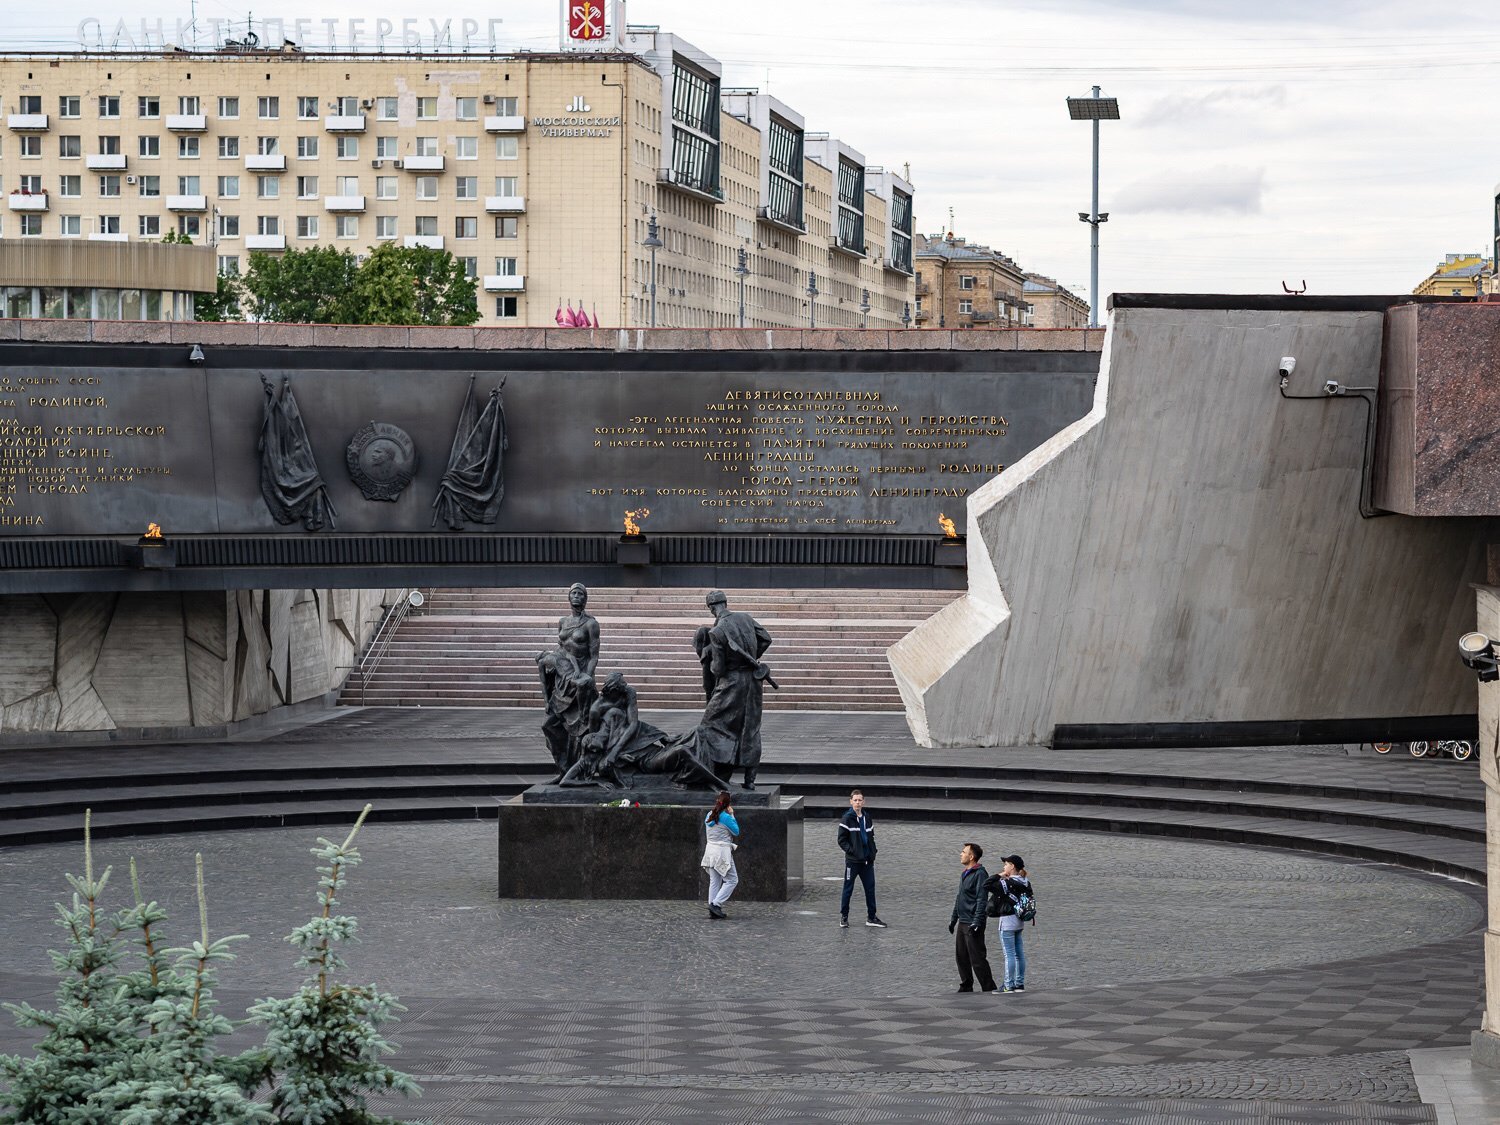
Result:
[1484,1049]
[567,849]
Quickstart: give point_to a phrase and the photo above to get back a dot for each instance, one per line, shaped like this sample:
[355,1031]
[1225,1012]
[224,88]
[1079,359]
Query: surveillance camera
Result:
[1288,365]
[196,355]
[1477,651]
[1331,387]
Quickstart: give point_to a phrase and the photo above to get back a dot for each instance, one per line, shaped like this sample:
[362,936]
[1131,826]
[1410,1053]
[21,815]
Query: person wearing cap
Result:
[730,650]
[1007,887]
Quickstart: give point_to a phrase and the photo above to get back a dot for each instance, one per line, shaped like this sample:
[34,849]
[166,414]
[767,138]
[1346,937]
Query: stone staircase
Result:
[477,648]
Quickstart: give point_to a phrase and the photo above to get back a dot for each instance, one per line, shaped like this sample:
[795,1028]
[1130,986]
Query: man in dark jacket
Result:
[967,923]
[857,838]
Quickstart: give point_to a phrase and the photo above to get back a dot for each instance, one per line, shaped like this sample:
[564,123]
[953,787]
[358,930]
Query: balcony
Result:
[187,203]
[682,182]
[431,241]
[982,317]
[109,238]
[842,247]
[187,122]
[505,283]
[345,123]
[923,288]
[505,124]
[345,204]
[28,201]
[27,122]
[505,204]
[791,223]
[105,162]
[264,163]
[265,242]
[421,163]
[893,266]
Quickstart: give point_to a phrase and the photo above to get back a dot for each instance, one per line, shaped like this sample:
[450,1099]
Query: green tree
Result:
[323,1047]
[413,285]
[223,303]
[310,286]
[92,1028]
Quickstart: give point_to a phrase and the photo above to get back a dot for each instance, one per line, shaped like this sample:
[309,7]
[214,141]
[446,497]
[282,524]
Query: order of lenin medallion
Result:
[382,460]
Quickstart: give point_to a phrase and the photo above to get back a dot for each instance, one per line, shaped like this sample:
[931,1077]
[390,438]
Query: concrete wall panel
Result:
[30,631]
[1192,551]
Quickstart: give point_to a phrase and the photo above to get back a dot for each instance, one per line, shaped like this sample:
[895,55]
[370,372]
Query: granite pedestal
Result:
[568,845]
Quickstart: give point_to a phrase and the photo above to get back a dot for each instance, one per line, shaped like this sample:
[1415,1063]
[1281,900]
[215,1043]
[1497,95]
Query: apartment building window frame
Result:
[307,187]
[70,226]
[307,148]
[148,148]
[74,182]
[466,109]
[189,105]
[267,187]
[31,184]
[189,185]
[109,186]
[507,308]
[427,107]
[148,106]
[227,226]
[229,265]
[188,148]
[507,227]
[148,226]
[149,187]
[229,107]
[346,226]
[386,228]
[31,226]
[70,106]
[507,106]
[108,224]
[508,266]
[387,148]
[385,187]
[465,148]
[31,146]
[346,185]
[346,148]
[426,188]
[268,107]
[966,306]
[109,107]
[967,281]
[307,107]
[229,187]
[70,147]
[507,148]
[427,146]
[387,108]
[466,227]
[190,226]
[268,145]
[466,187]
[229,148]
[425,226]
[307,227]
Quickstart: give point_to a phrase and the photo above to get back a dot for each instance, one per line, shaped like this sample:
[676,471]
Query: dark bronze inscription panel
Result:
[101,450]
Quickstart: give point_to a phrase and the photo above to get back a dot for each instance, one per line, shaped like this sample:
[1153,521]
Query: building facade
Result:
[1458,275]
[1053,306]
[959,285]
[72,279]
[540,172]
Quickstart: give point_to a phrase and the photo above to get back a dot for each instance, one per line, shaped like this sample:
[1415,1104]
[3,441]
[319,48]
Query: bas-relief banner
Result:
[89,451]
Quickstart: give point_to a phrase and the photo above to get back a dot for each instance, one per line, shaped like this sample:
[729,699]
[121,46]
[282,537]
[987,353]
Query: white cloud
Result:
[1206,191]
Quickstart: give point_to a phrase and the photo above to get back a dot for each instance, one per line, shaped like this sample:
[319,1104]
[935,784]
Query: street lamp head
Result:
[1094,109]
[741,267]
[1104,216]
[653,239]
[1083,216]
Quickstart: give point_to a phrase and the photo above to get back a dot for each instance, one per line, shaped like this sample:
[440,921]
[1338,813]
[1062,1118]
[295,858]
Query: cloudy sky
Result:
[1346,143]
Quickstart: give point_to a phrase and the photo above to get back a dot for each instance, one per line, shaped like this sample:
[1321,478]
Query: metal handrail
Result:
[381,641]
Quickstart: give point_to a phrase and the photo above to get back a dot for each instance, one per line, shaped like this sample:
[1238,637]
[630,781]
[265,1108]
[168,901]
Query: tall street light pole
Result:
[742,269]
[653,243]
[1094,109]
[864,308]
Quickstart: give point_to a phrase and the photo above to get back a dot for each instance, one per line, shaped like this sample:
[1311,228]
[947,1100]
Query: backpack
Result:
[1003,905]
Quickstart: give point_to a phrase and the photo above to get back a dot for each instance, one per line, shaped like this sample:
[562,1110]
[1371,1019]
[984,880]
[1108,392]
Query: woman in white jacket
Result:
[718,856]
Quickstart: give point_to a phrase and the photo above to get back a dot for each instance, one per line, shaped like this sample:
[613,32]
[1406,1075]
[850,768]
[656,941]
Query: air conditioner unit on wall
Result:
[368,103]
[130,179]
[489,99]
[377,164]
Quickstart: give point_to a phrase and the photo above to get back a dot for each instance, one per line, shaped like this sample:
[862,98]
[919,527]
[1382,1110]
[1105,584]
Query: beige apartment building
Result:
[964,285]
[1053,305]
[540,172]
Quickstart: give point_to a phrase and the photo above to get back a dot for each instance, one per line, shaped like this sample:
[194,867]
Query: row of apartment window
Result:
[387,227]
[148,107]
[268,187]
[70,147]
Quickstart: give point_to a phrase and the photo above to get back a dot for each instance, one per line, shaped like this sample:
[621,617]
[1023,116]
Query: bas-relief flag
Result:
[585,20]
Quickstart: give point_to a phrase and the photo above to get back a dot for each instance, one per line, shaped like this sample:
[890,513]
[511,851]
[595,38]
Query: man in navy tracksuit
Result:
[857,838]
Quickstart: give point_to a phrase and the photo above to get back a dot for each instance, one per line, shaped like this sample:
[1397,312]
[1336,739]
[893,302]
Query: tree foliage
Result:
[324,285]
[139,1047]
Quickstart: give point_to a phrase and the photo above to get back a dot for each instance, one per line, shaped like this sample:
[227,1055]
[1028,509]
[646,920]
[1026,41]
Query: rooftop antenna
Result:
[193,21]
[1295,292]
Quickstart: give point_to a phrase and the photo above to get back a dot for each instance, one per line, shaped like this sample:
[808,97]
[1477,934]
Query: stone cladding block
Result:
[360,336]
[133,331]
[510,339]
[9,329]
[285,335]
[985,340]
[921,340]
[56,331]
[208,332]
[443,338]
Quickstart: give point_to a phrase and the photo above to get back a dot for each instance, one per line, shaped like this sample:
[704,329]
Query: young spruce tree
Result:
[323,1048]
[91,1030]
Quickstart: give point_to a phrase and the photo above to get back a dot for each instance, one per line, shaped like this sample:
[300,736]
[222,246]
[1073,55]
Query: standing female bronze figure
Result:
[567,675]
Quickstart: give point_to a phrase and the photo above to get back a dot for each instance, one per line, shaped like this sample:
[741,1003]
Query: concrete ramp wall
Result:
[1191,551]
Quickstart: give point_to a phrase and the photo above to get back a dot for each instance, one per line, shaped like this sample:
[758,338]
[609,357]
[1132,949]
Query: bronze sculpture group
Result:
[596,735]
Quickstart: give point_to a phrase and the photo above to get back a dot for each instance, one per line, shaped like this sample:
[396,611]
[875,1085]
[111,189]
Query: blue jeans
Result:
[1015,958]
[865,873]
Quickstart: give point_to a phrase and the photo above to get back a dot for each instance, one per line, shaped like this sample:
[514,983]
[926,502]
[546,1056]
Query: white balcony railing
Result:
[27,122]
[109,238]
[256,162]
[187,203]
[345,123]
[515,124]
[265,242]
[505,283]
[505,204]
[105,162]
[187,122]
[431,241]
[28,201]
[422,163]
[345,203]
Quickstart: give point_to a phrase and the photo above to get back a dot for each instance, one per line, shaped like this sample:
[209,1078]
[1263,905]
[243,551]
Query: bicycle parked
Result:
[1460,750]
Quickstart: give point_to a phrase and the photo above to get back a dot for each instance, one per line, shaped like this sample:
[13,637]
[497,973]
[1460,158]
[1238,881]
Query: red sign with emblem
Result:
[585,20]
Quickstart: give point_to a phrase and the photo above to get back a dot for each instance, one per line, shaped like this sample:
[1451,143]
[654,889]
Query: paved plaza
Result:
[1169,980]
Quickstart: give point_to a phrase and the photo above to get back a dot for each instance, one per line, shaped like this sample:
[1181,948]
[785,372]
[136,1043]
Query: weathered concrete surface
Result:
[100,662]
[1487,621]
[1192,551]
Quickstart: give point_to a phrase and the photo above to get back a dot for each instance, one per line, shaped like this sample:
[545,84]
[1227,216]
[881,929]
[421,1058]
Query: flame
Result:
[153,531]
[949,531]
[631,527]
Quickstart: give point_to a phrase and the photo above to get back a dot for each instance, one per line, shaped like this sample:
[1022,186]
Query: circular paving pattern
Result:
[1114,910]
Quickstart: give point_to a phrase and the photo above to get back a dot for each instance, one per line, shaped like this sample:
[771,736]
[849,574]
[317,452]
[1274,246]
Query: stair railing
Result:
[409,599]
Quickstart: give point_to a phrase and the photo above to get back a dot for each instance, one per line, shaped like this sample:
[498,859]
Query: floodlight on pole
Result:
[1094,109]
[653,243]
